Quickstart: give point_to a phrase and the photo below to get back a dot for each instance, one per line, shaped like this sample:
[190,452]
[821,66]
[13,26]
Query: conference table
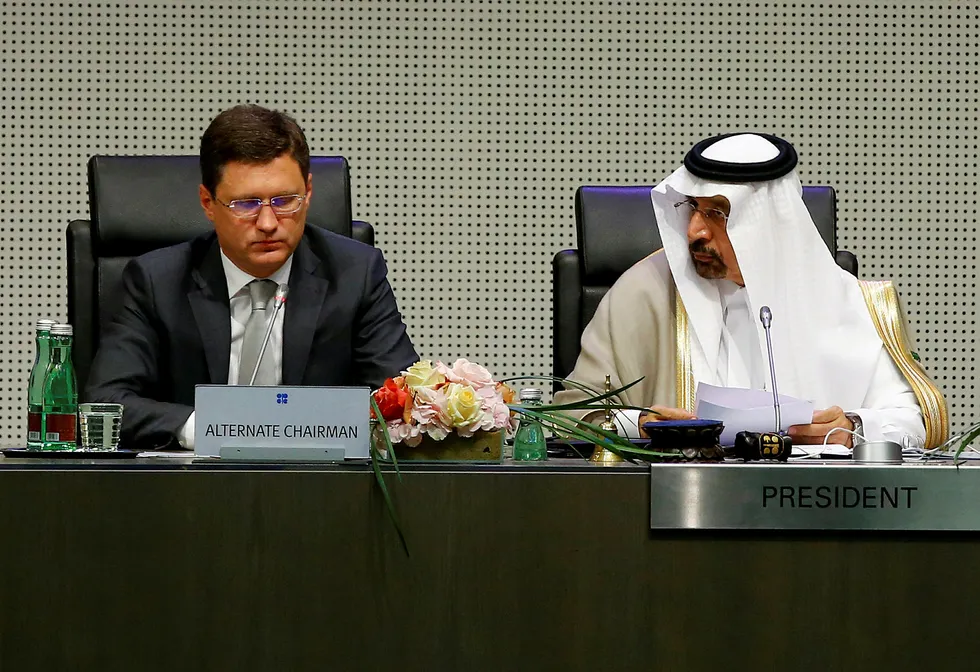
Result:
[185,564]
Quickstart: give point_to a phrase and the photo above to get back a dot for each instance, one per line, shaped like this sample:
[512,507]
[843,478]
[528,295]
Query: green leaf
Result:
[591,433]
[585,406]
[968,437]
[592,401]
[573,383]
[379,477]
[564,425]
[389,447]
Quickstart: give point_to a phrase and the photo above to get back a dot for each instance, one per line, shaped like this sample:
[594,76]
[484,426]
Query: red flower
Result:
[391,400]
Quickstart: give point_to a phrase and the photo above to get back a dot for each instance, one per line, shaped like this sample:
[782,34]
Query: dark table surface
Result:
[155,563]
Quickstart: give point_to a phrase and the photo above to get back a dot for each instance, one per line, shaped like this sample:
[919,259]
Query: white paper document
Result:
[819,450]
[749,410]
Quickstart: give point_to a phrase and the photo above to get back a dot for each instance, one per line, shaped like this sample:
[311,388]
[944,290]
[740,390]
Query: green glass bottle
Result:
[35,386]
[529,441]
[60,405]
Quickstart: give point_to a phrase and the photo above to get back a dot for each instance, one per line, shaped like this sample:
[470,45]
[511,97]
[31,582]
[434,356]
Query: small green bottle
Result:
[529,442]
[60,405]
[35,387]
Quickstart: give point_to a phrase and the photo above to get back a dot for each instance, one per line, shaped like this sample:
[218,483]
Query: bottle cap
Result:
[44,324]
[61,330]
[530,394]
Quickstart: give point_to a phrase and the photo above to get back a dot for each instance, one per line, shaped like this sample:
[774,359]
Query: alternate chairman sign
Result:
[267,419]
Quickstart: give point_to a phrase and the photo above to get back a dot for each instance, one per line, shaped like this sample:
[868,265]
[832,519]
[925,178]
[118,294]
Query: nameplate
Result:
[269,418]
[843,496]
[280,454]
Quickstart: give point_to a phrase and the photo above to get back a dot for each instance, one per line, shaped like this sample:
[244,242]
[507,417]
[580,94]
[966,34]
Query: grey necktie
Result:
[260,292]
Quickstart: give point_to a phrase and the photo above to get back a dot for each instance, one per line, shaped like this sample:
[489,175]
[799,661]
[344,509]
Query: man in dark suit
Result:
[197,312]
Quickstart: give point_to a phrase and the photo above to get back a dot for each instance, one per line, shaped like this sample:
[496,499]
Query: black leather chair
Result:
[141,203]
[616,227]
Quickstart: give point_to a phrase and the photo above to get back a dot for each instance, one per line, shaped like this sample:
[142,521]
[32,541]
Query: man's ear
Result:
[207,201]
[309,186]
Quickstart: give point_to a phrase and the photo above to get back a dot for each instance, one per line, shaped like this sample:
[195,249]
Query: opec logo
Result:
[282,398]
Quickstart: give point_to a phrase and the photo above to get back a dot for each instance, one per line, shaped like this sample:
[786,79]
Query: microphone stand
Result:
[765,445]
[765,315]
[280,298]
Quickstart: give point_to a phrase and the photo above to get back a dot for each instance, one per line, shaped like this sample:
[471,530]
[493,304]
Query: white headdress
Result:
[825,345]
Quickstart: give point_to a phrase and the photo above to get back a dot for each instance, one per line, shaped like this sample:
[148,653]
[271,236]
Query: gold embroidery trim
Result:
[889,319]
[682,365]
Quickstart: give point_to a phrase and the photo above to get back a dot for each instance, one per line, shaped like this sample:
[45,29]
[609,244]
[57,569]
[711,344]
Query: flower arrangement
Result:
[434,400]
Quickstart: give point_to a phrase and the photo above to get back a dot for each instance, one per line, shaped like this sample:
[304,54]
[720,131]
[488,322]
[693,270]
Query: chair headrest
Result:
[822,204]
[616,228]
[141,203]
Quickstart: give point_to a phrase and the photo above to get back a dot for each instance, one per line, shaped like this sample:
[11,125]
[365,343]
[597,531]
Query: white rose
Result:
[421,374]
[464,407]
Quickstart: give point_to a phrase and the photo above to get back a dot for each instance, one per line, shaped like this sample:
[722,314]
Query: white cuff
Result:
[185,435]
[901,425]
[628,419]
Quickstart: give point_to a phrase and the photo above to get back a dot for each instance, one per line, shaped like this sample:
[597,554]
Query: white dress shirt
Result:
[740,362]
[240,305]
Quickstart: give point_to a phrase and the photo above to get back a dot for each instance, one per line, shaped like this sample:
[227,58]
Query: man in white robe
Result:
[737,236]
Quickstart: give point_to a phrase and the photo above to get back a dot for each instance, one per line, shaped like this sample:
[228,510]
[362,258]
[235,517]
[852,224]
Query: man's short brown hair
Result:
[250,134]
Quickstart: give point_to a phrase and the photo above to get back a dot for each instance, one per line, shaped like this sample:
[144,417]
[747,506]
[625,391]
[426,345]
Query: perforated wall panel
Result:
[470,124]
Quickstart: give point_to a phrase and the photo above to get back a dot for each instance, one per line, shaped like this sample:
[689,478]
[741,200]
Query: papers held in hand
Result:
[749,410]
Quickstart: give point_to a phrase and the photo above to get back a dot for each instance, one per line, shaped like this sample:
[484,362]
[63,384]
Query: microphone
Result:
[765,445]
[282,291]
[765,315]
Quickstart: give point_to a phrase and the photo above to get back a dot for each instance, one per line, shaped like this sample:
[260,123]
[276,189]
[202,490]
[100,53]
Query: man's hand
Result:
[823,422]
[662,413]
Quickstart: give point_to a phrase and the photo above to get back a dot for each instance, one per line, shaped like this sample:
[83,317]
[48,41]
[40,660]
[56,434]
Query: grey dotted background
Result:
[469,125]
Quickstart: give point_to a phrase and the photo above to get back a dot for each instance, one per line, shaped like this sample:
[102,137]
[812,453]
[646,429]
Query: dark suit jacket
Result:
[173,331]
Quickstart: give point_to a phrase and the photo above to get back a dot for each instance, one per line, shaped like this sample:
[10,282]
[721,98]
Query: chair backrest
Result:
[142,203]
[616,227]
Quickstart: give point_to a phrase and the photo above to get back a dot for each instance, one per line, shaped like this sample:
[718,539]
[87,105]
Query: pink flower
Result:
[400,432]
[437,432]
[489,394]
[466,372]
[473,374]
[501,416]
[429,412]
[446,371]
[412,441]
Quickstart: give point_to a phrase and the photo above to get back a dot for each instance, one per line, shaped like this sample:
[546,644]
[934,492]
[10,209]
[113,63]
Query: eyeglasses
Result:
[712,215]
[249,208]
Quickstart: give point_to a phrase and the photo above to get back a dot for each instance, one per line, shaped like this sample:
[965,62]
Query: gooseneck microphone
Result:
[765,445]
[282,291]
[765,315]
